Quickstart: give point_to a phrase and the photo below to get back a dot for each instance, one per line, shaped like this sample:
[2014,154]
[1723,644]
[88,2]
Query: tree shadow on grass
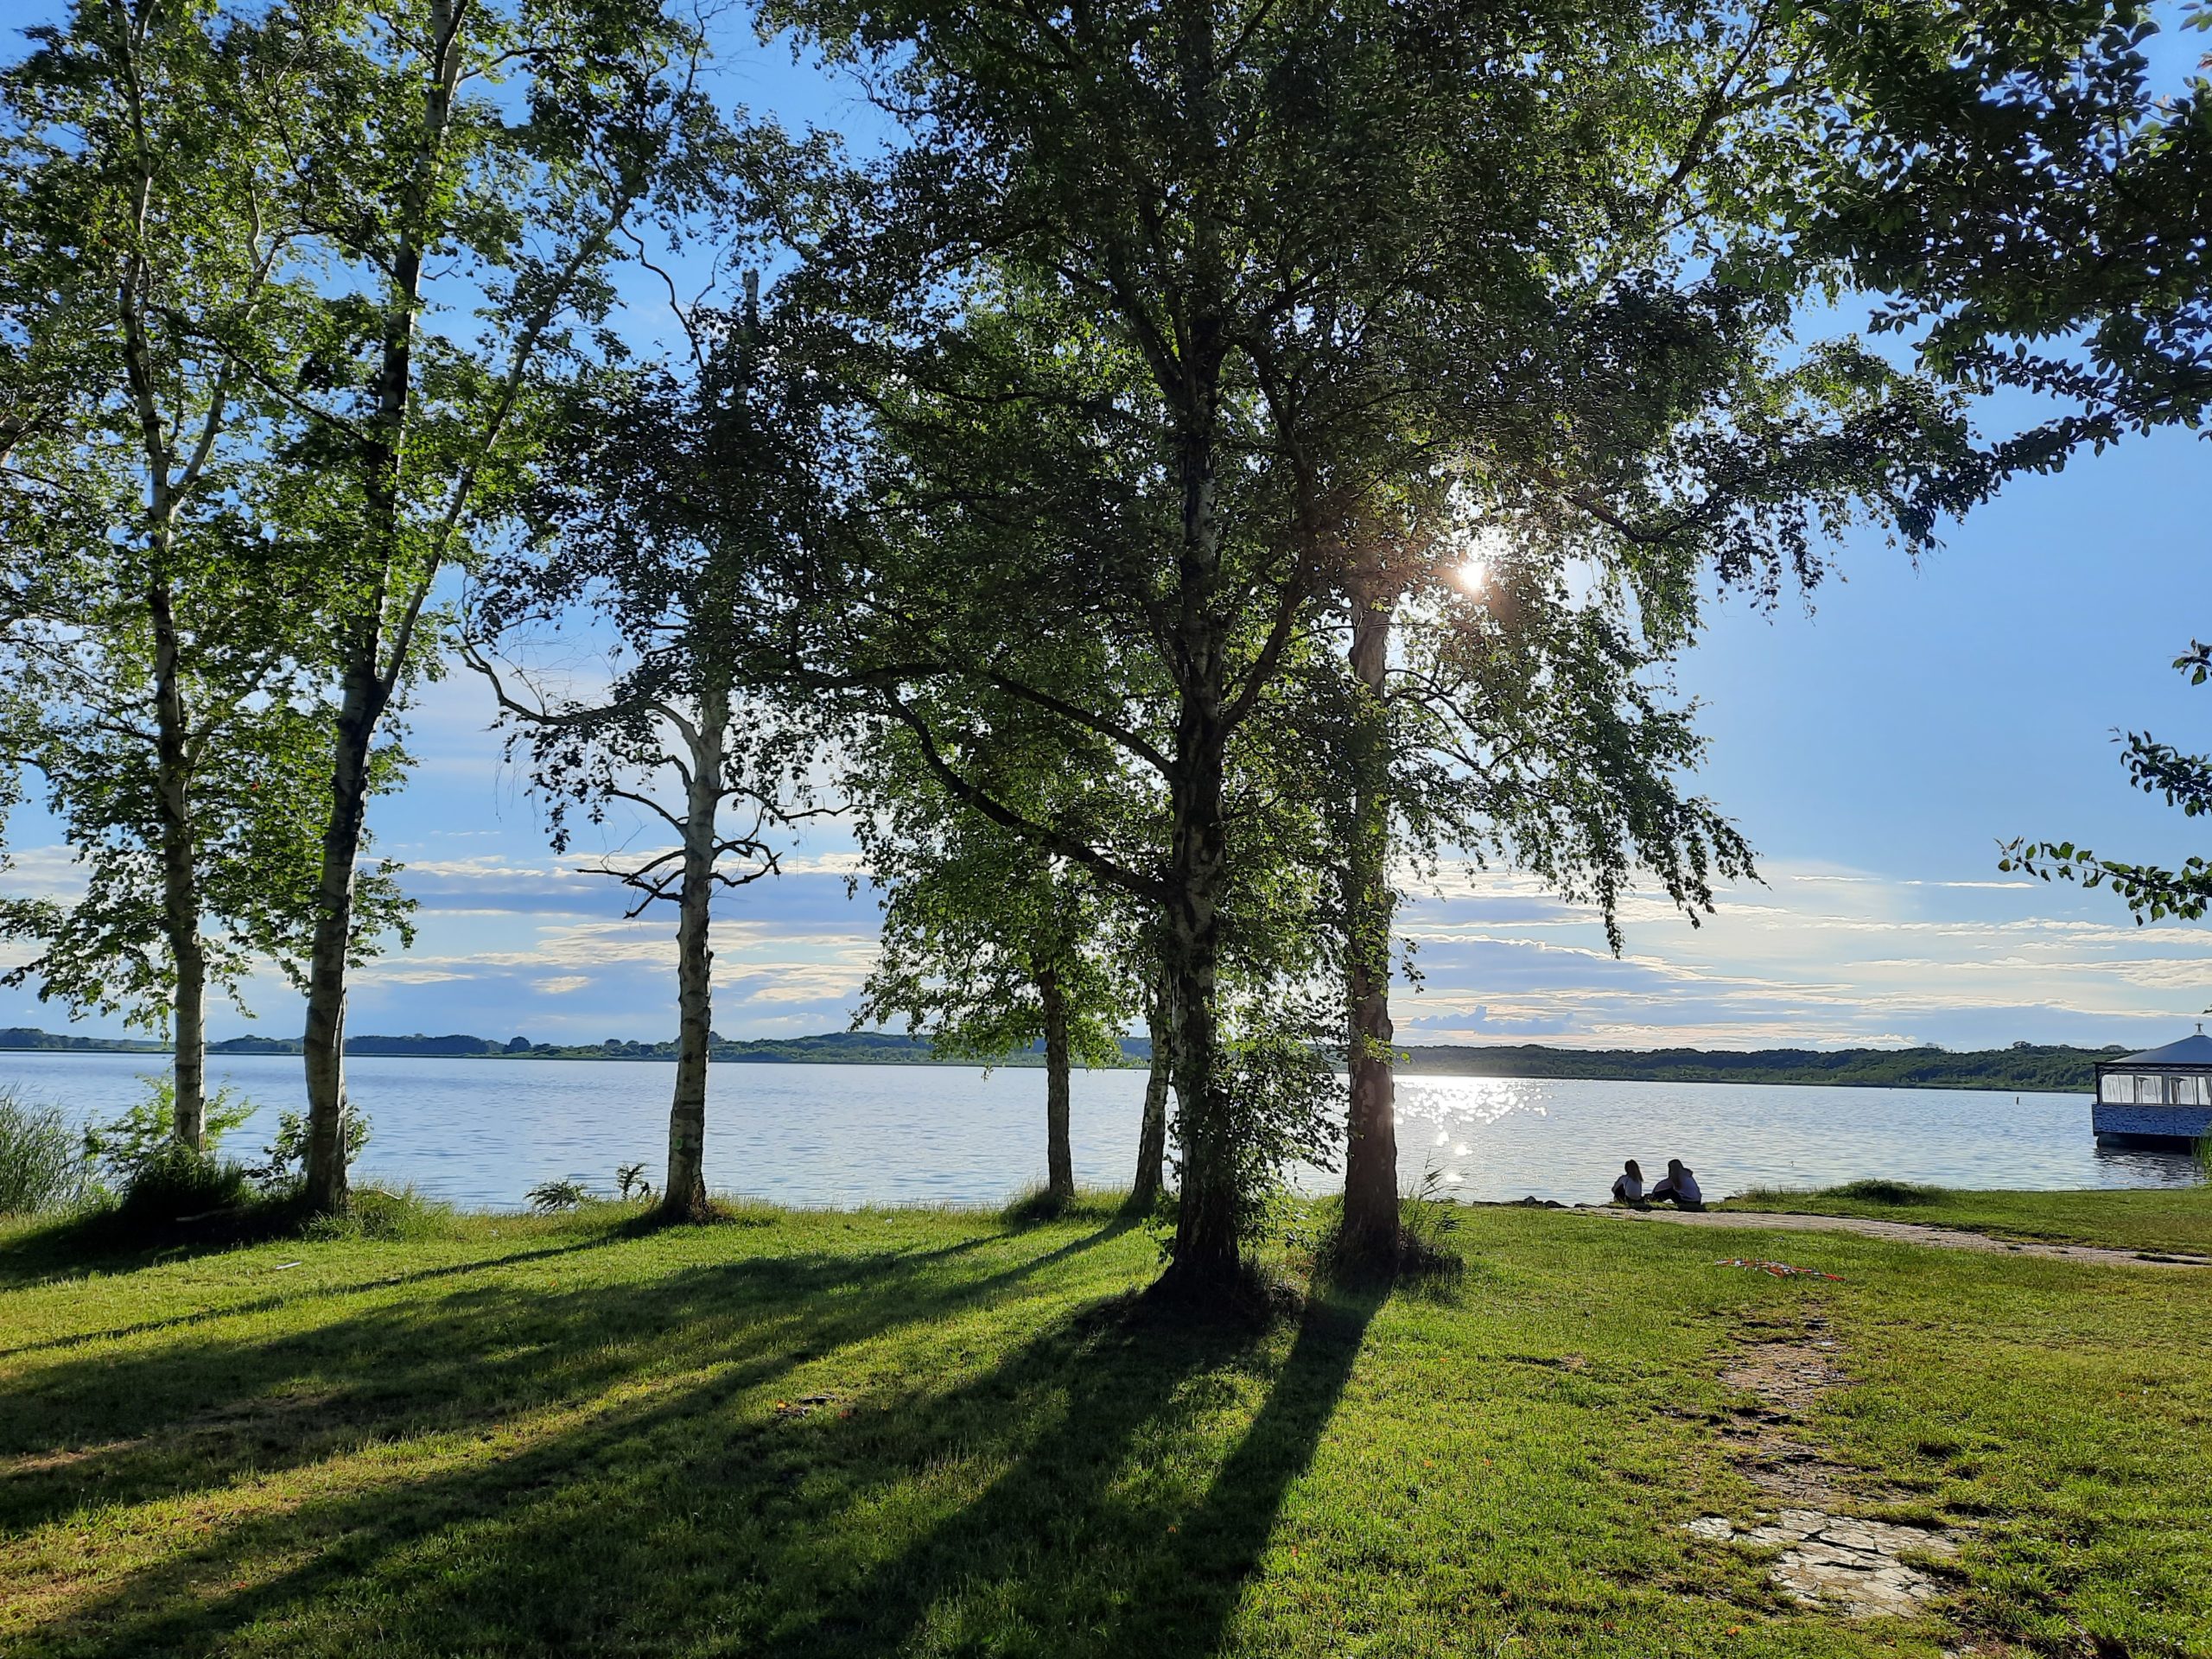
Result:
[1073,1496]
[117,1429]
[1115,1525]
[321,1293]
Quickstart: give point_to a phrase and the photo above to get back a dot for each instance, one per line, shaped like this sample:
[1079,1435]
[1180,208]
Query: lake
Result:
[481,1133]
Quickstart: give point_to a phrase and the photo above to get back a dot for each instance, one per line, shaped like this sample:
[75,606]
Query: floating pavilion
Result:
[2162,1097]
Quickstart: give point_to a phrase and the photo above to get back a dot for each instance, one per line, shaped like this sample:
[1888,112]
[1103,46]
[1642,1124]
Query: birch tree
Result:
[163,641]
[1227,277]
[510,148]
[678,517]
[988,945]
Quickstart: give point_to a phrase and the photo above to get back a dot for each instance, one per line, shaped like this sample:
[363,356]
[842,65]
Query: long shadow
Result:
[294,1299]
[1065,1499]
[1222,1541]
[1107,1407]
[557,1532]
[182,1416]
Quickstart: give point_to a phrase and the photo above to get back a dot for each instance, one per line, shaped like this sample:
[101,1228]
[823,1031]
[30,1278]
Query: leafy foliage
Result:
[285,1160]
[2151,892]
[2032,195]
[163,633]
[549,1197]
[142,1137]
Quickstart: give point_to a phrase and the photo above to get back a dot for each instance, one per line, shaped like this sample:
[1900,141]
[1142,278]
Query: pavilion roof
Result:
[2189,1050]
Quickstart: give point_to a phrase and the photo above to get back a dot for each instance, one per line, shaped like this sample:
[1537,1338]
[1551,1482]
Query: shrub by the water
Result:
[1889,1192]
[161,1183]
[146,1133]
[548,1197]
[175,1184]
[42,1162]
[285,1160]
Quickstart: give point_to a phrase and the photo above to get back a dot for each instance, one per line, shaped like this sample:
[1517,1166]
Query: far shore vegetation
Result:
[2024,1067]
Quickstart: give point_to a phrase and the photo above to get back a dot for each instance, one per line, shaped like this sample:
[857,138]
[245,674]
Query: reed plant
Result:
[42,1163]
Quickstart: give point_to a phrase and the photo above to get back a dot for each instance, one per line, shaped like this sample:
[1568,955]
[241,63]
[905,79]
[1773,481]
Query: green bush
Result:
[285,1160]
[1903,1192]
[146,1134]
[374,1213]
[175,1184]
[42,1162]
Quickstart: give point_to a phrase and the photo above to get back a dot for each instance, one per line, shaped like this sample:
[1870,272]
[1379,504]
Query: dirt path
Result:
[1827,1555]
[1907,1232]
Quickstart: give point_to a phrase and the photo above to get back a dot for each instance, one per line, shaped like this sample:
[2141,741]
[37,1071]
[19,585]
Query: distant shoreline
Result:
[2021,1069]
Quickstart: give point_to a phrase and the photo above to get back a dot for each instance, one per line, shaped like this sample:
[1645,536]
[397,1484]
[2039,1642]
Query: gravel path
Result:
[1907,1232]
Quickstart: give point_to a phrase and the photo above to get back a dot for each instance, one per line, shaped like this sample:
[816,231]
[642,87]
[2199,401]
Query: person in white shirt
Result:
[1679,1187]
[1628,1186]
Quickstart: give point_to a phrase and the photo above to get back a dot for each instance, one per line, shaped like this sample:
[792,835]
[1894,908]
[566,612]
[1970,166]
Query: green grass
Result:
[933,1433]
[2147,1218]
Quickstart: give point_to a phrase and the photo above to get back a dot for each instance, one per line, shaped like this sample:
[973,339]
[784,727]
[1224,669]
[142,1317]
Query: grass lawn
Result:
[921,1432]
[2150,1218]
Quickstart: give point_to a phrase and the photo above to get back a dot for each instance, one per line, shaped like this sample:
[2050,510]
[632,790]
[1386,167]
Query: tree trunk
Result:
[1059,1156]
[180,908]
[180,916]
[1152,1134]
[1208,1260]
[361,703]
[1209,1228]
[1370,1237]
[368,683]
[683,1197]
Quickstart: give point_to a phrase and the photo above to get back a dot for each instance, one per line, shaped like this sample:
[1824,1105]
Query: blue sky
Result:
[1875,746]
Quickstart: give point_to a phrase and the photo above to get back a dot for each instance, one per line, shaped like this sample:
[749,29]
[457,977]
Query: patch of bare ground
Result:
[1829,1556]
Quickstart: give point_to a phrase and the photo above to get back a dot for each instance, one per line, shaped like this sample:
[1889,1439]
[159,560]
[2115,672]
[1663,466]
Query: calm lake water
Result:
[481,1133]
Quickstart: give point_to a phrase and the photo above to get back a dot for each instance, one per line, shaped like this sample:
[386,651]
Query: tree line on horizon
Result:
[2021,1066]
[1218,458]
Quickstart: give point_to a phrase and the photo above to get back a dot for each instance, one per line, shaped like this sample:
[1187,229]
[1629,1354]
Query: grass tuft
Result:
[1897,1193]
[43,1168]
[1035,1206]
[388,1215]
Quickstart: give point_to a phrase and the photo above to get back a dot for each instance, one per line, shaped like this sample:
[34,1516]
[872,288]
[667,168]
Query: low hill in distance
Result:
[2021,1068]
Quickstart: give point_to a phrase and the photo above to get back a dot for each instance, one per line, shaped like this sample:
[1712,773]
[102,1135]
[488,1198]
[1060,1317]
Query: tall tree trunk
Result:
[683,1197]
[369,680]
[1208,1259]
[181,911]
[1209,1229]
[1059,1155]
[1151,1132]
[1371,1217]
[361,702]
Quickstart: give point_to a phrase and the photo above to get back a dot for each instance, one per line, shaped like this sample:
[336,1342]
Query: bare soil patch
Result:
[1829,1555]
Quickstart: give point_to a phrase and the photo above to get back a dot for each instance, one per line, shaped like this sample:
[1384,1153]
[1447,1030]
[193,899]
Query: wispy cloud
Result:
[1815,955]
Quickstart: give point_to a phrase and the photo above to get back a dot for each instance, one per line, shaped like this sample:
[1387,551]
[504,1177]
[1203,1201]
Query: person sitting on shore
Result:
[1628,1186]
[1678,1187]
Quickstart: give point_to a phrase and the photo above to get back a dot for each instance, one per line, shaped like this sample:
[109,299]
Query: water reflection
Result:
[484,1132]
[1508,1138]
